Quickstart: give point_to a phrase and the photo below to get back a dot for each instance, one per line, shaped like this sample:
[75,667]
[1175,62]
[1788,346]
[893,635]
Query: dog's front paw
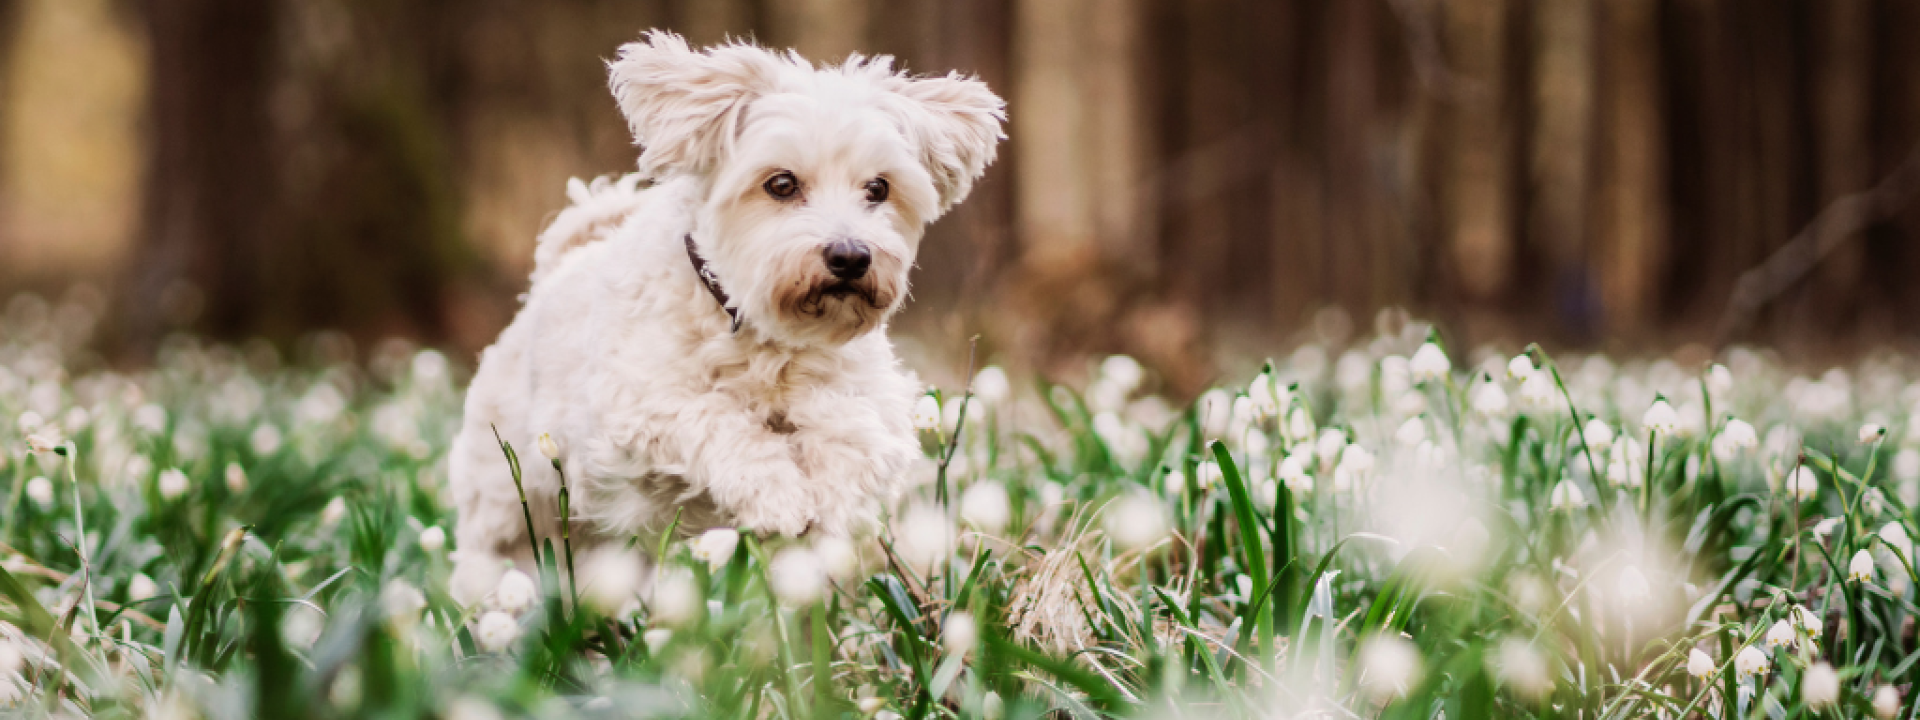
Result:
[777,507]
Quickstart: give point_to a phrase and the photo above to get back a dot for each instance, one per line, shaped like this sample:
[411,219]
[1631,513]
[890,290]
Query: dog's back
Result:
[597,209]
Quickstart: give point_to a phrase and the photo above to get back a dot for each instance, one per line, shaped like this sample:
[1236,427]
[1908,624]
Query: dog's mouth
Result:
[842,290]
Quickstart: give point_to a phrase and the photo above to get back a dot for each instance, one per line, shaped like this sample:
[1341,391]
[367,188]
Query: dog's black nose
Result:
[848,259]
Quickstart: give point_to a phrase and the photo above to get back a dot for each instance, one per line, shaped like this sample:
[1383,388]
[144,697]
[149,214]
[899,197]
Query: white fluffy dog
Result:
[714,343]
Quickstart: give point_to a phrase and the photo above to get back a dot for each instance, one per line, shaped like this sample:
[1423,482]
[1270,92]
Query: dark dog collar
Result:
[712,281]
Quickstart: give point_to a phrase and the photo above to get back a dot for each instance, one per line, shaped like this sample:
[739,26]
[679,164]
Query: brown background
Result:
[1187,180]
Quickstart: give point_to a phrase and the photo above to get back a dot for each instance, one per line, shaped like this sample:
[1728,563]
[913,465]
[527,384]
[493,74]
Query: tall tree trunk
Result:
[1630,215]
[209,193]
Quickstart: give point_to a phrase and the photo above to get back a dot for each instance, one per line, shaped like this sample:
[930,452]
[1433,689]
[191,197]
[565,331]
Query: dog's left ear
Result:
[684,105]
[955,123]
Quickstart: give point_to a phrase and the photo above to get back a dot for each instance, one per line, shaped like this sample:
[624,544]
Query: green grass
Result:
[1147,559]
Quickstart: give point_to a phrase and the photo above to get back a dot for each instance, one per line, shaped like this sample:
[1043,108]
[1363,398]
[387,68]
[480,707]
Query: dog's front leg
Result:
[856,454]
[745,466]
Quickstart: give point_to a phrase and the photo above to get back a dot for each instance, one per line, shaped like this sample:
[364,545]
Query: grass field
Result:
[1387,528]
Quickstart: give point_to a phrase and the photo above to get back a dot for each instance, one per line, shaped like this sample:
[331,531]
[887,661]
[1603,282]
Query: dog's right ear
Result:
[683,105]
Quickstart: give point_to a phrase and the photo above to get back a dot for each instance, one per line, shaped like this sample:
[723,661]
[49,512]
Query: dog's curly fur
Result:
[799,420]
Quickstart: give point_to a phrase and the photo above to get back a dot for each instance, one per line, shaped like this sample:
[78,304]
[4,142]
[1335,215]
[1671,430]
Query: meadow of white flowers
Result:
[1386,527]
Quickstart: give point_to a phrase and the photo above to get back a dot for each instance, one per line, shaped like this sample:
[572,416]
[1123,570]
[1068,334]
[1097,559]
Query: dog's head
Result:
[818,182]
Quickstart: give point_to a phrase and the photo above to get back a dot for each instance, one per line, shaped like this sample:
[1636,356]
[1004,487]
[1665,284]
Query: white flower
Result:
[715,547]
[40,491]
[172,483]
[1698,664]
[1356,460]
[1633,586]
[990,385]
[1135,521]
[1719,380]
[141,588]
[497,631]
[1267,399]
[1895,536]
[985,507]
[1411,433]
[1598,434]
[797,577]
[870,705]
[1488,399]
[516,592]
[548,447]
[1537,392]
[656,638]
[1206,474]
[1300,424]
[1820,686]
[44,442]
[1661,418]
[1871,433]
[1805,621]
[1567,496]
[1886,702]
[1624,467]
[1429,363]
[151,418]
[1780,635]
[301,625]
[1738,436]
[1294,474]
[1390,665]
[1523,669]
[236,478]
[926,413]
[673,600]
[402,602]
[838,556]
[433,539]
[1825,528]
[334,511]
[1802,484]
[1520,367]
[1860,569]
[960,633]
[264,440]
[467,708]
[1124,372]
[30,421]
[923,536]
[609,580]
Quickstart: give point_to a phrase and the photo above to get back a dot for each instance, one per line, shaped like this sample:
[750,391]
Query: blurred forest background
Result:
[1185,180]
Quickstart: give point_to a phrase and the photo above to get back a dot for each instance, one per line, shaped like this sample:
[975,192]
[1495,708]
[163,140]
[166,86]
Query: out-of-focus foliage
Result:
[1392,528]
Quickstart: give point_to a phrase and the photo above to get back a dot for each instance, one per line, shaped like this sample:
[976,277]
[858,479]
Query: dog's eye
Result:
[782,185]
[877,190]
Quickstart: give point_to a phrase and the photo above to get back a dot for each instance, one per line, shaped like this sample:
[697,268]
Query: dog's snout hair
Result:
[848,259]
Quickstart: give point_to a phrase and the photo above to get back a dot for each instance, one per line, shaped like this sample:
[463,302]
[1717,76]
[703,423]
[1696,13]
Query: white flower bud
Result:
[172,483]
[433,539]
[797,577]
[926,413]
[1522,668]
[515,593]
[334,511]
[1520,367]
[838,556]
[1390,666]
[674,600]
[1488,399]
[1820,686]
[990,385]
[1699,664]
[1429,364]
[236,478]
[1802,484]
[923,536]
[1719,381]
[609,580]
[870,705]
[1598,434]
[656,638]
[959,633]
[1411,433]
[142,588]
[985,507]
[1537,392]
[1860,569]
[715,547]
[1871,433]
[1780,635]
[1135,521]
[497,631]
[1661,418]
[40,491]
[1806,621]
[548,447]
[1886,702]
[1567,496]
